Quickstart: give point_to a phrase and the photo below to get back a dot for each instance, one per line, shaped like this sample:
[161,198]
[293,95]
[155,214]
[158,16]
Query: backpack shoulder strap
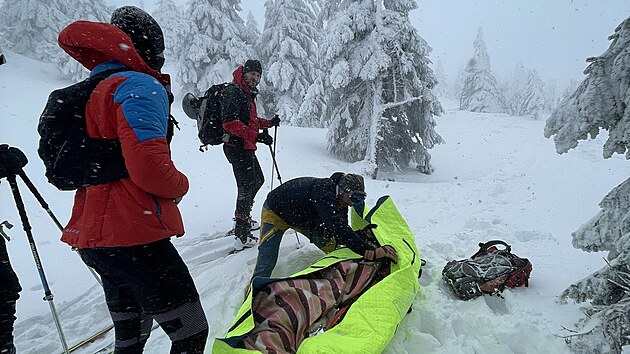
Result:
[212,88]
[105,74]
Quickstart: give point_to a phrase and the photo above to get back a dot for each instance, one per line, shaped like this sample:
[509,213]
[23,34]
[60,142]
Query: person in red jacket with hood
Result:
[241,122]
[122,229]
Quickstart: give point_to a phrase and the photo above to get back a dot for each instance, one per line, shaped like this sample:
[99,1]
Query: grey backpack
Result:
[488,271]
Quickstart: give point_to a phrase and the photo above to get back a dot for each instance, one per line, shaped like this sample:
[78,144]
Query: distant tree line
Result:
[522,94]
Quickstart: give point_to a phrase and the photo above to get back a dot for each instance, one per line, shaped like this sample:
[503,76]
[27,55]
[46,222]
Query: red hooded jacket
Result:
[131,106]
[238,110]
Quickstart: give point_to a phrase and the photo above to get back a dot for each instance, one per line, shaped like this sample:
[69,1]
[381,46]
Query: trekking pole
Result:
[38,263]
[39,198]
[45,206]
[272,151]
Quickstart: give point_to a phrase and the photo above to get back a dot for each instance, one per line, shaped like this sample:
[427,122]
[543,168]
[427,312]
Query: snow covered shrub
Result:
[601,102]
[525,93]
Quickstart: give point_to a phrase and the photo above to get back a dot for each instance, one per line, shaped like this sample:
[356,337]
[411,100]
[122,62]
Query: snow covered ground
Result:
[496,177]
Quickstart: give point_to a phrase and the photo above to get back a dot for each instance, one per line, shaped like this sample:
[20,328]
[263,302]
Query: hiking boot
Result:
[250,242]
[244,223]
[242,228]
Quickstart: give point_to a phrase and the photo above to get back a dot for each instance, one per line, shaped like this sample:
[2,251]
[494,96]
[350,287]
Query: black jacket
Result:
[309,203]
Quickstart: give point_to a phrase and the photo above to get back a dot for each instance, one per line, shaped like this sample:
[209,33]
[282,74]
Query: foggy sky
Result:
[553,36]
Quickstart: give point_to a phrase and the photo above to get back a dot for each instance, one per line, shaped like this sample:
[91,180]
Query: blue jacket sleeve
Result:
[142,114]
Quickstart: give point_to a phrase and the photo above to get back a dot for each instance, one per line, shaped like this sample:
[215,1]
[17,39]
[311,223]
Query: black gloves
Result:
[367,233]
[275,121]
[386,251]
[264,138]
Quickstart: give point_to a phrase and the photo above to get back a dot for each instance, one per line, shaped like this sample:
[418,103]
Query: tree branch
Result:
[382,108]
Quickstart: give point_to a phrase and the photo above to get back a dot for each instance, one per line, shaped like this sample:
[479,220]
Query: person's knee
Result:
[259,182]
[132,330]
[270,237]
[185,321]
[268,253]
[11,293]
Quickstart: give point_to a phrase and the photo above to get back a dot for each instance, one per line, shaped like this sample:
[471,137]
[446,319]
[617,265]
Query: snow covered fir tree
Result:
[442,88]
[287,46]
[91,10]
[31,28]
[479,92]
[310,113]
[601,102]
[217,42]
[378,86]
[174,26]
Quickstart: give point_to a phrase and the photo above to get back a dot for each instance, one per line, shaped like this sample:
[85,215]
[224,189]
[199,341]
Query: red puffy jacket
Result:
[131,106]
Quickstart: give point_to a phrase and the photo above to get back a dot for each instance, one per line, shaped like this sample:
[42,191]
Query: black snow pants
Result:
[249,178]
[145,283]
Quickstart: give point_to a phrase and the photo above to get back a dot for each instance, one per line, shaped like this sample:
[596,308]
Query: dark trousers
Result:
[9,293]
[271,232]
[249,177]
[145,283]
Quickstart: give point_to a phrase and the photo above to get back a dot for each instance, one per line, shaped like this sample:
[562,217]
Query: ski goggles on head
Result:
[357,196]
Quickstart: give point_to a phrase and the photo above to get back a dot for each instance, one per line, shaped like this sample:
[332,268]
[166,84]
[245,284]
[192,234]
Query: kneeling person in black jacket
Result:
[318,209]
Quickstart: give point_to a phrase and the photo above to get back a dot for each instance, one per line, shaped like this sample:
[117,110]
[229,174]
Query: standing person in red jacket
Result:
[122,229]
[241,122]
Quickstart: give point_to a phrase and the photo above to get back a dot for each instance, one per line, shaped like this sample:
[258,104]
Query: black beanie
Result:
[352,182]
[252,65]
[144,31]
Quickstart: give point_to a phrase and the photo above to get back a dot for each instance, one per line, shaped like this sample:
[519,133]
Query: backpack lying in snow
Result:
[72,159]
[207,111]
[488,271]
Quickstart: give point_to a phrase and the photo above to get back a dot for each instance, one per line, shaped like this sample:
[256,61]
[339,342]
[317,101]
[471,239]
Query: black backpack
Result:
[489,271]
[72,159]
[206,110]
